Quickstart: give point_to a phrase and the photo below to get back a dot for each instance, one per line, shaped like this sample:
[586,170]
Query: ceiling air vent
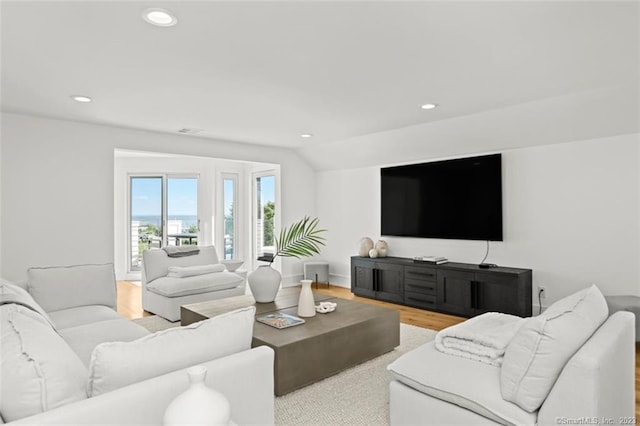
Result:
[188,131]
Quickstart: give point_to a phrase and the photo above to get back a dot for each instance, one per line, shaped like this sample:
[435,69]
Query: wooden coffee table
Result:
[324,345]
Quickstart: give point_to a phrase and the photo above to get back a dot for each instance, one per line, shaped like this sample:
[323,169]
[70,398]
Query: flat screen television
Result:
[453,199]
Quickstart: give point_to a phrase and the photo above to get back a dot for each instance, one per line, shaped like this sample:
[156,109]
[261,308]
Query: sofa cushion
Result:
[190,271]
[117,364]
[83,339]
[176,287]
[62,287]
[39,371]
[11,293]
[539,351]
[82,315]
[156,262]
[460,381]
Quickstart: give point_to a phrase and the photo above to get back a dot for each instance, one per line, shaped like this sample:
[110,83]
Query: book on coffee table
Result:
[279,320]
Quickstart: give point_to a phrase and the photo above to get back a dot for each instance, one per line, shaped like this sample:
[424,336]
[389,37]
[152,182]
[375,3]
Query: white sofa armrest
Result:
[245,378]
[599,380]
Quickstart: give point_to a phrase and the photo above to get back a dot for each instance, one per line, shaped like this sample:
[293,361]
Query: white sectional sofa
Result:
[69,358]
[170,282]
[572,364]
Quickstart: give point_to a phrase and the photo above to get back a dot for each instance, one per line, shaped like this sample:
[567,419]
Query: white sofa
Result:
[597,382]
[69,358]
[163,294]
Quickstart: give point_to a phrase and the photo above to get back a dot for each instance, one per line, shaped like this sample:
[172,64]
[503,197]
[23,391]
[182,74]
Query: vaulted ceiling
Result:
[266,72]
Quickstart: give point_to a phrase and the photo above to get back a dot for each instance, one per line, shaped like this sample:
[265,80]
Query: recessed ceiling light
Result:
[428,106]
[80,98]
[159,17]
[306,135]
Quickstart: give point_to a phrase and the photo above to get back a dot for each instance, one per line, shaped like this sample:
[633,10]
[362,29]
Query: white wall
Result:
[58,187]
[571,213]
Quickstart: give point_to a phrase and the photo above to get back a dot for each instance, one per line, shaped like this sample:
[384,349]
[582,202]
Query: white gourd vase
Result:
[306,302]
[382,247]
[264,283]
[199,404]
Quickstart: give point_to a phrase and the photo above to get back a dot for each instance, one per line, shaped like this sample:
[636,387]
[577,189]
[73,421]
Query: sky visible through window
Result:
[146,196]
[268,187]
[228,195]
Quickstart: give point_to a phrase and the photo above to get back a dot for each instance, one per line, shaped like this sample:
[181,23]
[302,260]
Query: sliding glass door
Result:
[146,217]
[163,211]
[182,211]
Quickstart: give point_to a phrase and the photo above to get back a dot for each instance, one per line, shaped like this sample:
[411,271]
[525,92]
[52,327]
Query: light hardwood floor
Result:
[130,300]
[130,306]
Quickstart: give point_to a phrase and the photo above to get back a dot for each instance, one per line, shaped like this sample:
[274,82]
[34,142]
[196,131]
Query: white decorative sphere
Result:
[373,253]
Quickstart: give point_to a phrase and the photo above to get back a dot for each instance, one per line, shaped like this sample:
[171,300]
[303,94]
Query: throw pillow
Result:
[11,293]
[39,370]
[63,287]
[156,262]
[539,351]
[190,271]
[117,364]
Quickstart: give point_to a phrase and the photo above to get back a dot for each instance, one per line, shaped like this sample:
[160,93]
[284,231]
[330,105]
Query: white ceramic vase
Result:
[199,404]
[264,283]
[382,247]
[306,302]
[366,244]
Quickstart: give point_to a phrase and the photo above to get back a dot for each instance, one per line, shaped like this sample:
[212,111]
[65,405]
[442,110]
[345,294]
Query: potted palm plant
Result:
[301,239]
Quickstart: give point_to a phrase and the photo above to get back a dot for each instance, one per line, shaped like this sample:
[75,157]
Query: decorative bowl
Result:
[232,264]
[326,307]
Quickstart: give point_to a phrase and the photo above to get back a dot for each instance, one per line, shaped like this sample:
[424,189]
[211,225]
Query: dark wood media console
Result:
[455,288]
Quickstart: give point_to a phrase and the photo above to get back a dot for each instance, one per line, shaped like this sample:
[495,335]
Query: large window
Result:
[265,210]
[230,196]
[163,211]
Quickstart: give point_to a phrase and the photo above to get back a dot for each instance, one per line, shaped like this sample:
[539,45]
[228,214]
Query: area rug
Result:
[357,396]
[155,323]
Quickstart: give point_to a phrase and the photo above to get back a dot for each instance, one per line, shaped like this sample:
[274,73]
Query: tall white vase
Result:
[306,302]
[264,283]
[199,404]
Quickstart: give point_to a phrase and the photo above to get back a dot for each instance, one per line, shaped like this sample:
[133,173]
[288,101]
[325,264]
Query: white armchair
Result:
[170,282]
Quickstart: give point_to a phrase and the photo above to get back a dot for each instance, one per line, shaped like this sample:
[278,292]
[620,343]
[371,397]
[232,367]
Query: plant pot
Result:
[264,283]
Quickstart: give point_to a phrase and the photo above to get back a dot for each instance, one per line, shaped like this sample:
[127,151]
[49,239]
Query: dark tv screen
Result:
[453,199]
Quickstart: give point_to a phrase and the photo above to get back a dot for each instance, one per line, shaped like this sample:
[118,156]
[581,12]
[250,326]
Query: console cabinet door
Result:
[500,293]
[454,292]
[390,282]
[362,278]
